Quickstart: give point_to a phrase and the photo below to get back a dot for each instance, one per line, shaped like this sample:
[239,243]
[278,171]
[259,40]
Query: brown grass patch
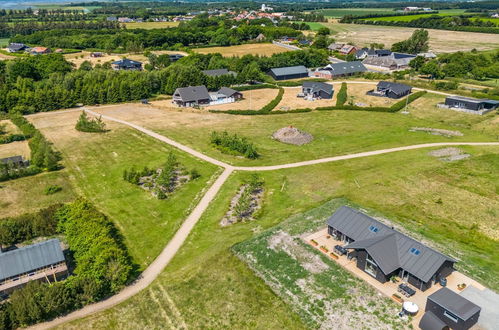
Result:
[262,49]
[10,128]
[18,148]
[253,100]
[357,94]
[78,58]
[290,101]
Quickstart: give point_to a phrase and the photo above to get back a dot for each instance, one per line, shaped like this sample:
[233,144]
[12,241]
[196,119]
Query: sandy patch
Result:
[436,131]
[449,154]
[10,128]
[6,57]
[292,135]
[252,100]
[18,148]
[290,101]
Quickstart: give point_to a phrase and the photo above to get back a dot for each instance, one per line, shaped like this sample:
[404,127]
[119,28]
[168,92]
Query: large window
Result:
[371,267]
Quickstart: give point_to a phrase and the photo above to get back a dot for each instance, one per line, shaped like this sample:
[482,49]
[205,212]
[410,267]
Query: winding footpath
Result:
[159,264]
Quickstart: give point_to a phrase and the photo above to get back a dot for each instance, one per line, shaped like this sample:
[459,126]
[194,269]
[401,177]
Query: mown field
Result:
[335,132]
[408,18]
[95,164]
[340,12]
[206,286]
[262,49]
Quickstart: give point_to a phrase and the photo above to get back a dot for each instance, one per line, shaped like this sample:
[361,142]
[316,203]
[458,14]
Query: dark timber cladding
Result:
[290,72]
[318,89]
[384,252]
[451,309]
[470,103]
[393,90]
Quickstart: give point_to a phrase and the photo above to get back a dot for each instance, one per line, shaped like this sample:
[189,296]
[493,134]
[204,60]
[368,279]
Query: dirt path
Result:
[159,264]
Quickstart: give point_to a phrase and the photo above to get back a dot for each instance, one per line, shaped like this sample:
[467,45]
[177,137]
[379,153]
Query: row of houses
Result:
[20,47]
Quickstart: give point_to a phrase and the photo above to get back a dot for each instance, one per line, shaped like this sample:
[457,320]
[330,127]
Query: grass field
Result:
[205,286]
[27,195]
[440,40]
[4,42]
[95,164]
[151,25]
[335,132]
[262,49]
[408,18]
[14,149]
[314,26]
[340,12]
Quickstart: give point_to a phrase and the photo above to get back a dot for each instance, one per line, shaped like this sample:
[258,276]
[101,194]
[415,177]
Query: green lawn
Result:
[314,26]
[4,42]
[408,18]
[340,12]
[95,165]
[335,133]
[205,286]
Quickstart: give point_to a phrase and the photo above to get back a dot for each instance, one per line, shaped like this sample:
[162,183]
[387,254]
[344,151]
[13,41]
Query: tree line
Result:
[102,265]
[22,28]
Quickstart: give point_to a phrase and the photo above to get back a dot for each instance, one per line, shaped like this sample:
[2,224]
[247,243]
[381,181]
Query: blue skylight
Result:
[415,251]
[374,229]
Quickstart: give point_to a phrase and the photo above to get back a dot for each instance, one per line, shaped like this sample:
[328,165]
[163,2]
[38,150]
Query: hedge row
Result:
[266,110]
[12,138]
[253,87]
[299,82]
[394,108]
[342,95]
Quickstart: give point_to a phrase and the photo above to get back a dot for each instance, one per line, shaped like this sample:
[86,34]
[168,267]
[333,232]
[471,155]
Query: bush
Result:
[233,144]
[446,85]
[85,124]
[342,95]
[50,190]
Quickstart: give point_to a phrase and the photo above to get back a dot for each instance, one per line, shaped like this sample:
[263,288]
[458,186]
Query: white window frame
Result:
[451,316]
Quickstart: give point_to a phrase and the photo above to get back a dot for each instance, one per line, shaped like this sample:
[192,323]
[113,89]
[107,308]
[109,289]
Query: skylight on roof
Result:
[415,251]
[374,229]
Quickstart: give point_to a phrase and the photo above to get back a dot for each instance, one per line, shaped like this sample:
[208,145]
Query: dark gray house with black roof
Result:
[289,72]
[383,252]
[16,47]
[317,90]
[126,64]
[446,309]
[191,96]
[42,261]
[390,89]
[219,72]
[469,103]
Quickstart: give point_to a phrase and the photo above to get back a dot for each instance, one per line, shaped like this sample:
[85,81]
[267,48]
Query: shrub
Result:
[342,95]
[233,143]
[50,190]
[194,174]
[85,124]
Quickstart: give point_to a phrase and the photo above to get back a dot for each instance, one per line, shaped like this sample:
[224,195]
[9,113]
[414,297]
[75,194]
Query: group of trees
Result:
[472,65]
[90,125]
[233,144]
[417,43]
[28,27]
[102,266]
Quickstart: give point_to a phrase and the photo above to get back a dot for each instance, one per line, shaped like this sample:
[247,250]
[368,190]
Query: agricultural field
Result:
[95,165]
[440,40]
[151,25]
[432,199]
[262,49]
[80,57]
[340,12]
[408,18]
[335,132]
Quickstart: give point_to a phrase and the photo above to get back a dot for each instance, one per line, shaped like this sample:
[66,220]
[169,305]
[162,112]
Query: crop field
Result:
[440,40]
[26,195]
[95,165]
[151,25]
[340,12]
[335,132]
[408,18]
[262,49]
[432,199]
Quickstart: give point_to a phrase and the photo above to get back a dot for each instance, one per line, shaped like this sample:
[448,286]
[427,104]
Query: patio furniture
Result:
[406,290]
[410,308]
[340,249]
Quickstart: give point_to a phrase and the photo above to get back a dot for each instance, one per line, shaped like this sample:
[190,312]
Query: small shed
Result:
[289,72]
[445,308]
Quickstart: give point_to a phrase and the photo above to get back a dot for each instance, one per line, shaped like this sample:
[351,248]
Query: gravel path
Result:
[159,264]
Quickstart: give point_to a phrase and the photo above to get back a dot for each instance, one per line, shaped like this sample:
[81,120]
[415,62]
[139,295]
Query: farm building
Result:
[383,252]
[347,49]
[394,61]
[289,72]
[225,95]
[16,161]
[39,50]
[391,89]
[343,69]
[479,106]
[42,261]
[16,47]
[191,96]
[446,309]
[317,90]
[126,64]
[219,72]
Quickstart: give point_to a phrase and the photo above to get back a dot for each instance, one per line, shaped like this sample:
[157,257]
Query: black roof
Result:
[218,72]
[289,70]
[472,100]
[14,46]
[12,159]
[454,303]
[193,93]
[397,88]
[389,248]
[127,63]
[227,91]
[430,321]
[29,258]
[346,67]
[318,86]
